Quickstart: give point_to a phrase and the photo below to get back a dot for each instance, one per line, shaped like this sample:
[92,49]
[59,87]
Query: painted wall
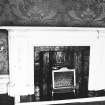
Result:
[88,13]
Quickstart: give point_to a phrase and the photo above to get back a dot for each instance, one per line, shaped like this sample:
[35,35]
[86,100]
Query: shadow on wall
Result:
[73,13]
[6,100]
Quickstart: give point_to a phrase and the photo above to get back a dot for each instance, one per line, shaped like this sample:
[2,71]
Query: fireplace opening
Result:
[61,72]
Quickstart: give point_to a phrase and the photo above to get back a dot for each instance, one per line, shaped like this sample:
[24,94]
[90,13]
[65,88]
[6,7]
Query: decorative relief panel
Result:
[88,13]
[3,53]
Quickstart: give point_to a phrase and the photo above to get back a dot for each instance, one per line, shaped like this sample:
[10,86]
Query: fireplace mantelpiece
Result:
[94,41]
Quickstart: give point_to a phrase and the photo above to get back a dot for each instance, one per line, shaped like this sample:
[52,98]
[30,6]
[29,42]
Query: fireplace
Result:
[61,71]
[63,80]
[79,50]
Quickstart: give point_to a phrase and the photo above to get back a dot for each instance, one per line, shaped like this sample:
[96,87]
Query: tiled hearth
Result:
[31,98]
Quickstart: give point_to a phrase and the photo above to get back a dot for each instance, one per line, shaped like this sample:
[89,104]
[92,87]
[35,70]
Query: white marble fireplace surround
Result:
[21,57]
